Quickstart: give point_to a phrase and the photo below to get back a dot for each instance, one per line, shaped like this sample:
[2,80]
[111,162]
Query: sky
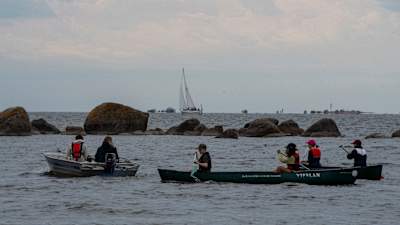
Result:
[259,55]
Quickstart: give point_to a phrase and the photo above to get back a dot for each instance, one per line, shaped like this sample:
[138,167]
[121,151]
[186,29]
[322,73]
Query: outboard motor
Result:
[111,162]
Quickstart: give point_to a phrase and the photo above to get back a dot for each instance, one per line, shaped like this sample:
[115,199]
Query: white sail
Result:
[189,100]
[186,102]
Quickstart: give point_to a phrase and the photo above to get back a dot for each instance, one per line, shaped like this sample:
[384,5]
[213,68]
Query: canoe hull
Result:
[59,166]
[373,172]
[318,177]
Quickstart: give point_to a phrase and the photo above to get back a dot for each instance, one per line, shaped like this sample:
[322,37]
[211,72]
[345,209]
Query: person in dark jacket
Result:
[204,160]
[358,154]
[106,147]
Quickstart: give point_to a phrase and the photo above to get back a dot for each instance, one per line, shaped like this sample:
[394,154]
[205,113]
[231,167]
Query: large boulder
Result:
[323,128]
[114,118]
[229,133]
[15,122]
[396,134]
[214,131]
[260,128]
[290,127]
[190,127]
[43,127]
[74,130]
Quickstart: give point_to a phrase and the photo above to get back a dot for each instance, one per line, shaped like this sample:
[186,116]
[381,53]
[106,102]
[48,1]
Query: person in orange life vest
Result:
[314,154]
[77,150]
[291,157]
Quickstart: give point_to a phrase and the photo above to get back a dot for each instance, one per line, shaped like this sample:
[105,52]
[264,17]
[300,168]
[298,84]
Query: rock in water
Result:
[188,126]
[396,134]
[261,121]
[375,135]
[114,118]
[229,133]
[74,130]
[215,131]
[15,122]
[43,127]
[260,128]
[323,128]
[290,127]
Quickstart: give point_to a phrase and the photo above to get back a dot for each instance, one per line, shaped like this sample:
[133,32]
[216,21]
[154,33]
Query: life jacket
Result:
[315,152]
[76,150]
[296,165]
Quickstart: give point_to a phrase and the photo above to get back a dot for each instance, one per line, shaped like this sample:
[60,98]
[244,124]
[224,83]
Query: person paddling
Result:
[106,147]
[358,154]
[291,157]
[314,154]
[204,160]
[77,150]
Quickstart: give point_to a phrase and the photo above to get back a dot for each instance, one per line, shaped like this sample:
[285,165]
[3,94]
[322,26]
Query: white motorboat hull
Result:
[59,166]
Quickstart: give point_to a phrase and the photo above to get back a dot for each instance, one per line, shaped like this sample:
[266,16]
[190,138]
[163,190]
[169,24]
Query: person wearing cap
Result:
[77,150]
[291,157]
[314,154]
[204,159]
[358,154]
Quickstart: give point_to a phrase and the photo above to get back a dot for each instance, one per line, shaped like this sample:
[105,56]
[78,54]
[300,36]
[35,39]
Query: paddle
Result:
[344,149]
[194,169]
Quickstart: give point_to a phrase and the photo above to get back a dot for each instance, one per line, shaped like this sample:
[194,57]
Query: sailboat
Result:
[186,102]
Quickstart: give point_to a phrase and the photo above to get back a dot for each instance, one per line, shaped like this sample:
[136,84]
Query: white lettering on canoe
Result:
[312,175]
[261,176]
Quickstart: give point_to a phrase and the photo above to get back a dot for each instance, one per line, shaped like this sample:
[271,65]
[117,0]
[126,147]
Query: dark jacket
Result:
[205,158]
[103,150]
[360,157]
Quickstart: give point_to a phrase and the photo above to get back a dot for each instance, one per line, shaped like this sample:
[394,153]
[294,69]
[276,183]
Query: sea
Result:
[28,195]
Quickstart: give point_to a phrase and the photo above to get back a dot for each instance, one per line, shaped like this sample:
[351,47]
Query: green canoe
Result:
[367,173]
[314,177]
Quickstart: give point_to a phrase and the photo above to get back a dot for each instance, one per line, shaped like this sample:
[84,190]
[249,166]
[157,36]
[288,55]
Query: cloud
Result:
[264,34]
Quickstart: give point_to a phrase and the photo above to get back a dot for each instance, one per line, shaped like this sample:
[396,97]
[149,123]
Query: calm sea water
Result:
[29,196]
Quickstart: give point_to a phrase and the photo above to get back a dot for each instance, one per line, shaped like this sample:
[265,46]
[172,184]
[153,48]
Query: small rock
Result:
[259,128]
[43,127]
[215,131]
[396,134]
[74,130]
[229,133]
[375,135]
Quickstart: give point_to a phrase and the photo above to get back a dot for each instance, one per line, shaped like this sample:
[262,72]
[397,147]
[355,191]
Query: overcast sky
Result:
[260,55]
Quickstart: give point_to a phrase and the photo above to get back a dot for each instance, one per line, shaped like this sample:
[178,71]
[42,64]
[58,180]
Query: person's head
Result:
[79,137]
[291,148]
[357,143]
[202,148]
[311,143]
[108,139]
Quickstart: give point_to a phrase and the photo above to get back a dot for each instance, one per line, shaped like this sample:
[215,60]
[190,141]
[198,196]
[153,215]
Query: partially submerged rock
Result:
[260,128]
[323,128]
[43,127]
[74,130]
[15,122]
[290,127]
[188,126]
[229,133]
[214,131]
[114,118]
[396,134]
[376,135]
